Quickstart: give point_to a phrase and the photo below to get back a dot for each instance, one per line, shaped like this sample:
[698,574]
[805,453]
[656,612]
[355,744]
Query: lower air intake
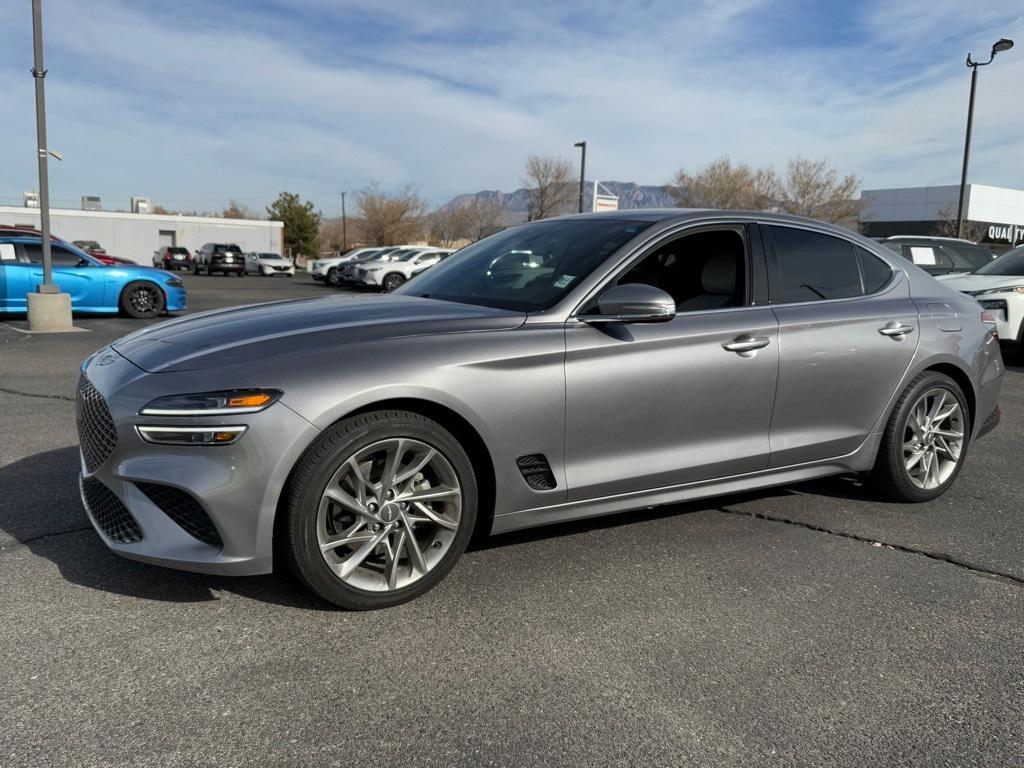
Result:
[184,510]
[109,514]
[537,472]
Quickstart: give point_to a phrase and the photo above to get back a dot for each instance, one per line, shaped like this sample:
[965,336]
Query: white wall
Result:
[135,236]
[983,203]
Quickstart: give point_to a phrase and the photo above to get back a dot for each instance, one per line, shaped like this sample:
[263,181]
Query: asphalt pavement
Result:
[810,625]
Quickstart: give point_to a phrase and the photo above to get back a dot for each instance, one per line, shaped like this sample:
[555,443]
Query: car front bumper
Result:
[225,494]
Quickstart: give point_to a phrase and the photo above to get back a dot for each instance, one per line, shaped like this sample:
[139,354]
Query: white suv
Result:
[328,270]
[400,266]
[999,287]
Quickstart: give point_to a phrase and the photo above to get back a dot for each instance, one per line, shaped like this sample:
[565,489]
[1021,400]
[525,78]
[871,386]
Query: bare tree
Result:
[334,236]
[483,218]
[550,184]
[236,210]
[946,226]
[391,219]
[449,225]
[720,184]
[815,189]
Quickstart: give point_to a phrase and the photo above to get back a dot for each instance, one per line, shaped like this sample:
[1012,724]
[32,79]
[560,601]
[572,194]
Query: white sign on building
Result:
[605,201]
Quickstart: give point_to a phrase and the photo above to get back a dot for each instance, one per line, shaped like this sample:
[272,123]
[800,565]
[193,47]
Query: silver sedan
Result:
[556,370]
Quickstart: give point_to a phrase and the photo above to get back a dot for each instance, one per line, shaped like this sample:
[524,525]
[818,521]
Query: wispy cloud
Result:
[193,102]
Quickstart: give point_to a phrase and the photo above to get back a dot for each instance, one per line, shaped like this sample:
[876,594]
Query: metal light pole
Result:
[1003,44]
[47,310]
[583,168]
[44,186]
[344,225]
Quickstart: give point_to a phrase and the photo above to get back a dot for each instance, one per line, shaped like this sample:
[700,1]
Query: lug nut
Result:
[376,527]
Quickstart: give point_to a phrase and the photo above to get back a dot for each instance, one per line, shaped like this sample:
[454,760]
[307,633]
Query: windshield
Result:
[1010,263]
[529,268]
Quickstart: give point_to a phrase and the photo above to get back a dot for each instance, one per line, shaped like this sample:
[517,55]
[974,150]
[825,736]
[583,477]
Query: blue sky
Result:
[197,101]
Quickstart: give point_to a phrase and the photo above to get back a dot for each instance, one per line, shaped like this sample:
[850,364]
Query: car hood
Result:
[236,336]
[977,283]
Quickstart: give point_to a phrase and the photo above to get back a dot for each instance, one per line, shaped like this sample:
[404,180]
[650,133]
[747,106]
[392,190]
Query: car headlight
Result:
[175,282]
[162,435]
[1008,289]
[374,269]
[221,403]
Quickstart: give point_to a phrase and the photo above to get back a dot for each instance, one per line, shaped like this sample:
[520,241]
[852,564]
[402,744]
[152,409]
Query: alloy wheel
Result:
[391,282]
[143,300]
[933,439]
[389,514]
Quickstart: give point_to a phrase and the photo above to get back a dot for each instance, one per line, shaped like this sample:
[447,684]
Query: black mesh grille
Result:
[183,509]
[537,472]
[109,513]
[96,432]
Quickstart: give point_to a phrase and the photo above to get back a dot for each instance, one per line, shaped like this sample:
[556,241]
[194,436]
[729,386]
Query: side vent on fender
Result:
[536,471]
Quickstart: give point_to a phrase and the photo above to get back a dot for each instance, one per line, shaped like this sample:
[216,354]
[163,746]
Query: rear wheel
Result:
[380,509]
[142,299]
[926,440]
[392,281]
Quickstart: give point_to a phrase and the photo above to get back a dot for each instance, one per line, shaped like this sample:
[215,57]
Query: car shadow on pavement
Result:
[40,510]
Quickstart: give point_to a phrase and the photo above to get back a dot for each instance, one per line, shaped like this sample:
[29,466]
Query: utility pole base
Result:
[49,312]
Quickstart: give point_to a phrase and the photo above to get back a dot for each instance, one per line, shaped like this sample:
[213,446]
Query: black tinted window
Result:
[60,257]
[876,273]
[810,266]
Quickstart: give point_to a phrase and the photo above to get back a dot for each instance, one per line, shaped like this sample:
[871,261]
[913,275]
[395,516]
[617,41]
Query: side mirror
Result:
[633,303]
[83,263]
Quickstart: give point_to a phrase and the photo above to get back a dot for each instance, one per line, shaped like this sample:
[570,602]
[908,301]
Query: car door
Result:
[848,331]
[82,279]
[15,278]
[662,404]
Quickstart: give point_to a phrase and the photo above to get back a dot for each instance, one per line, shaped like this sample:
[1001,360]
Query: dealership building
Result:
[997,213]
[136,236]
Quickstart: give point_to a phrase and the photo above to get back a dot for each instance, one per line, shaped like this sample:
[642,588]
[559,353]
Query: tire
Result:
[195,268]
[332,278]
[375,581]
[241,273]
[142,299]
[891,474]
[392,281]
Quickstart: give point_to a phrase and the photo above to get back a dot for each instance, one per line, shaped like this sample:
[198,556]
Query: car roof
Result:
[929,237]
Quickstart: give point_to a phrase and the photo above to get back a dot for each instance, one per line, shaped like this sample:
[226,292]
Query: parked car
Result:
[939,255]
[172,257]
[347,272]
[329,270]
[90,246]
[326,270]
[999,288]
[650,358]
[268,264]
[225,258]
[388,275]
[94,288]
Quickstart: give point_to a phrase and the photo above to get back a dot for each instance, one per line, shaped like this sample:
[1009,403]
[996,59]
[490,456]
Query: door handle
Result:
[895,330]
[746,345]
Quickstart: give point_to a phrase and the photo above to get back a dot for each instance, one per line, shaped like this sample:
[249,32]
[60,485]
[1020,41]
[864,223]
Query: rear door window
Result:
[811,266]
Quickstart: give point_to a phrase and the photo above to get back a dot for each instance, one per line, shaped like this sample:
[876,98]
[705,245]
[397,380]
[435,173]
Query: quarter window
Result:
[810,266]
[876,273]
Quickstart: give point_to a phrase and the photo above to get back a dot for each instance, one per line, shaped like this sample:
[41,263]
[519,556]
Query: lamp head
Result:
[1002,44]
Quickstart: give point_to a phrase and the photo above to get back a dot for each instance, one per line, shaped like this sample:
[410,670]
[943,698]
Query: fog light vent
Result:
[536,471]
[184,510]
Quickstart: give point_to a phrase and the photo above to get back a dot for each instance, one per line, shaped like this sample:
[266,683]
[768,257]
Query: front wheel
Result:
[392,281]
[380,509]
[142,299]
[925,441]
[333,278]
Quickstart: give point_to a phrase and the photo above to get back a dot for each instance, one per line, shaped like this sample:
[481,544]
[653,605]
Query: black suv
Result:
[172,257]
[939,255]
[219,257]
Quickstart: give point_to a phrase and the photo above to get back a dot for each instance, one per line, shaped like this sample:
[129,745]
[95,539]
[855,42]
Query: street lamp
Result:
[47,309]
[344,225]
[583,168]
[1003,44]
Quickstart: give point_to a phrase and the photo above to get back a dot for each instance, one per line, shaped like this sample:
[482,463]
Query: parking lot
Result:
[805,625]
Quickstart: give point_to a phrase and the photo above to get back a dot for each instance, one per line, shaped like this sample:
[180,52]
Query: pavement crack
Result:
[16,544]
[931,555]
[8,391]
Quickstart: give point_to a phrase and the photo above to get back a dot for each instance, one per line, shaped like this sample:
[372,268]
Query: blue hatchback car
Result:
[94,287]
